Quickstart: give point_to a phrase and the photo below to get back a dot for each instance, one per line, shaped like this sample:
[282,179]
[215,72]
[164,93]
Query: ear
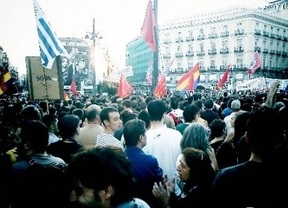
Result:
[106,123]
[246,137]
[107,192]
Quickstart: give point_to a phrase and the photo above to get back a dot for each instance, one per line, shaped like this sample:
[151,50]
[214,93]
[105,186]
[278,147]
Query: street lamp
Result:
[93,36]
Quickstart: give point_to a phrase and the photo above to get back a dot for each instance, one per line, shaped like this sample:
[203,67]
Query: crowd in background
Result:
[194,150]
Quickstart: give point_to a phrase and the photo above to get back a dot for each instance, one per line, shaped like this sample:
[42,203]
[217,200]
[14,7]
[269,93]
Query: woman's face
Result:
[183,170]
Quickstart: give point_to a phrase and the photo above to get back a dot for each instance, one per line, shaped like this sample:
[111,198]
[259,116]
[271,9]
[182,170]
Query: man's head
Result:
[264,131]
[68,126]
[110,118]
[92,113]
[156,109]
[174,103]
[103,177]
[236,105]
[51,121]
[33,138]
[135,133]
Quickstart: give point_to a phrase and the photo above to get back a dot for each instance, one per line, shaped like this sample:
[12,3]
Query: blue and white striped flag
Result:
[49,43]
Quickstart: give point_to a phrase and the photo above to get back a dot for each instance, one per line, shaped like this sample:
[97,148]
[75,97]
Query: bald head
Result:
[92,111]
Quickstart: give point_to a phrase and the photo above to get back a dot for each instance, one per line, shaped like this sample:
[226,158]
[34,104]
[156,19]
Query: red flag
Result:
[147,30]
[255,64]
[124,88]
[223,79]
[190,80]
[160,89]
[73,87]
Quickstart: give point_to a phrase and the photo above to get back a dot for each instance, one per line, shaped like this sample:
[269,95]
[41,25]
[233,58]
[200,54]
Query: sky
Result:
[118,21]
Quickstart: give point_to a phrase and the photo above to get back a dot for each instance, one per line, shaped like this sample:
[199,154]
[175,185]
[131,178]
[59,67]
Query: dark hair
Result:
[144,115]
[209,104]
[68,125]
[36,133]
[174,102]
[190,112]
[126,116]
[104,114]
[30,112]
[133,129]
[217,127]
[49,120]
[99,167]
[156,109]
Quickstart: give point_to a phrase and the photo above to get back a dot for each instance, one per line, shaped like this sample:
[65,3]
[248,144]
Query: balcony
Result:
[222,67]
[179,70]
[202,68]
[190,38]
[257,32]
[179,40]
[278,37]
[200,53]
[239,32]
[179,54]
[224,50]
[284,53]
[212,68]
[167,41]
[212,36]
[265,34]
[212,51]
[201,37]
[257,48]
[239,67]
[224,34]
[278,53]
[190,54]
[285,38]
[167,55]
[272,52]
[238,49]
[272,35]
[265,50]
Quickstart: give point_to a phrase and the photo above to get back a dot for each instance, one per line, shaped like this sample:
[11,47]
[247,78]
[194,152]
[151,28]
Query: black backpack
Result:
[43,186]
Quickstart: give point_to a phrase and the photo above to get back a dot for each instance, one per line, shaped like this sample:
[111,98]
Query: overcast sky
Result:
[119,21]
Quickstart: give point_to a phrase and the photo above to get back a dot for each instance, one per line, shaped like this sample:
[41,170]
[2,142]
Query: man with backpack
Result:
[38,179]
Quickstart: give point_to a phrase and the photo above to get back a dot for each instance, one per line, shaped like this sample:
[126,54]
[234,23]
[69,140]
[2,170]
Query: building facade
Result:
[217,39]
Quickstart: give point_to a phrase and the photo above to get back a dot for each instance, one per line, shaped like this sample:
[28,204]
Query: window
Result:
[225,28]
[224,62]
[190,63]
[239,61]
[257,25]
[201,46]
[265,28]
[201,31]
[167,36]
[213,29]
[239,42]
[190,48]
[278,31]
[190,33]
[213,45]
[272,29]
[212,62]
[277,63]
[239,25]
[224,43]
[167,50]
[179,64]
[256,42]
[277,47]
[271,45]
[179,49]
[284,47]
[265,43]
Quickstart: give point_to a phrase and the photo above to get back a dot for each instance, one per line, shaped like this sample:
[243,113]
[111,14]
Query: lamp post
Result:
[93,36]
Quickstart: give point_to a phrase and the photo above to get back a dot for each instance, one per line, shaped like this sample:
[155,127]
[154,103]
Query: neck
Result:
[216,139]
[108,131]
[156,124]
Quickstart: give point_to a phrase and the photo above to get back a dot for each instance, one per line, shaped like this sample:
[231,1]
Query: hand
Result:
[160,193]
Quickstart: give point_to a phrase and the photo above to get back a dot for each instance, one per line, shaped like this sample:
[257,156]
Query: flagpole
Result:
[155,71]
[46,89]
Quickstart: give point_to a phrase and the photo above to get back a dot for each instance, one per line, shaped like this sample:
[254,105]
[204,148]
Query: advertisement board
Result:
[44,83]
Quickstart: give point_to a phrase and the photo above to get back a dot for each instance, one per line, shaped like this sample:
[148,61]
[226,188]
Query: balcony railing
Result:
[178,54]
[179,70]
[257,48]
[284,53]
[224,34]
[201,37]
[272,35]
[200,53]
[272,52]
[265,50]
[167,41]
[224,50]
[285,38]
[212,51]
[189,54]
[190,38]
[212,36]
[257,32]
[238,49]
[239,67]
[278,37]
[179,40]
[167,55]
[265,34]
[222,67]
[202,68]
[212,68]
[278,53]
[239,32]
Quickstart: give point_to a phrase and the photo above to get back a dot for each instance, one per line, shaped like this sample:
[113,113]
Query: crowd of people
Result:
[202,150]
